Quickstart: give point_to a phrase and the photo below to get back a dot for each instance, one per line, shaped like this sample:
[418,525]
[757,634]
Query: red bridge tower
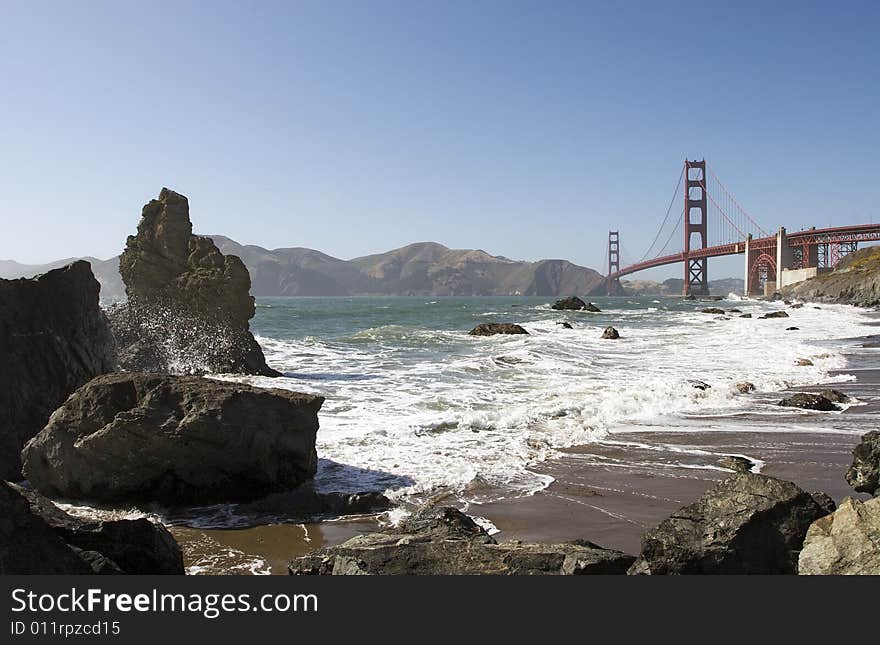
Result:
[612,285]
[696,280]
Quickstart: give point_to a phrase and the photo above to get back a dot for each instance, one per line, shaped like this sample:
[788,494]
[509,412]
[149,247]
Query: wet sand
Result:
[262,549]
[613,504]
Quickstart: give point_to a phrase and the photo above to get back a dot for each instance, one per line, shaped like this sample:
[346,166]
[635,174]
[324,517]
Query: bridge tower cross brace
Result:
[696,279]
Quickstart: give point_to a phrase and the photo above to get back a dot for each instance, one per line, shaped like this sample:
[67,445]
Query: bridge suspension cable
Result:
[735,205]
[665,218]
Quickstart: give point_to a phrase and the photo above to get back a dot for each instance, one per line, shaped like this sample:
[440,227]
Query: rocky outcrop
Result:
[444,541]
[53,338]
[490,329]
[809,402]
[189,306]
[564,324]
[744,387]
[855,281]
[610,333]
[747,523]
[846,542]
[573,303]
[774,314]
[38,537]
[864,473]
[305,503]
[712,310]
[175,440]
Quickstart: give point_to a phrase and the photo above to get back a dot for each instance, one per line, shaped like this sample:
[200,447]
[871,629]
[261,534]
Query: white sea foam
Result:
[416,408]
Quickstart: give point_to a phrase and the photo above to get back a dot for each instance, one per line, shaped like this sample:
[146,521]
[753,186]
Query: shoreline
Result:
[594,498]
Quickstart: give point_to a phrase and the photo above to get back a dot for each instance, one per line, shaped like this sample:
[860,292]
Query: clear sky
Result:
[523,128]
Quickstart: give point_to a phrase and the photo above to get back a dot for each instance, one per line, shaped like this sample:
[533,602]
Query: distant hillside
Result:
[423,269]
[675,286]
[106,272]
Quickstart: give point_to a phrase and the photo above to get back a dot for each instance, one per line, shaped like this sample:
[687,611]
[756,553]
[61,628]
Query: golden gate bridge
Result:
[712,223]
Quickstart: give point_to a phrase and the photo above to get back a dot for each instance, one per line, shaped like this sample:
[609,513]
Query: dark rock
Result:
[734,311]
[835,396]
[746,524]
[808,402]
[610,333]
[53,338]
[712,310]
[28,545]
[574,303]
[444,541]
[824,501]
[746,316]
[306,503]
[797,305]
[864,473]
[689,297]
[792,328]
[564,325]
[700,385]
[846,542]
[774,314]
[175,440]
[736,464]
[490,329]
[744,387]
[804,362]
[38,537]
[189,306]
[133,546]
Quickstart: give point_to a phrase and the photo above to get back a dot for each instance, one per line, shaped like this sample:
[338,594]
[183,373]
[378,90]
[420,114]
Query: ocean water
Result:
[415,406]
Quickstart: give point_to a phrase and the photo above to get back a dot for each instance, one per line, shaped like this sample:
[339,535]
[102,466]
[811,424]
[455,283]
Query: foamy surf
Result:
[414,404]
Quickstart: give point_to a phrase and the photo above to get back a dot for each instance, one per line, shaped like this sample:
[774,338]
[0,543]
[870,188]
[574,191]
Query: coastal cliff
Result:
[855,281]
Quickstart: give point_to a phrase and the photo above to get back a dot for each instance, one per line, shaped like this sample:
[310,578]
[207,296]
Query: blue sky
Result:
[527,129]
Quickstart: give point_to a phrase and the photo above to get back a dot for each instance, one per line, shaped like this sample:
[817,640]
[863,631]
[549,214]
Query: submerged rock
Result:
[736,463]
[744,387]
[53,338]
[746,316]
[713,310]
[189,306]
[809,402]
[804,362]
[747,523]
[836,396]
[444,541]
[774,314]
[175,440]
[700,385]
[846,542]
[610,333]
[792,329]
[564,325]
[490,329]
[39,537]
[305,502]
[864,473]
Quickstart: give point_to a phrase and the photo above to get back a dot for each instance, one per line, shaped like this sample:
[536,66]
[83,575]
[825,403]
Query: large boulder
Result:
[53,338]
[846,542]
[189,306]
[444,541]
[747,523]
[38,537]
[174,440]
[610,333]
[490,329]
[864,473]
[808,401]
